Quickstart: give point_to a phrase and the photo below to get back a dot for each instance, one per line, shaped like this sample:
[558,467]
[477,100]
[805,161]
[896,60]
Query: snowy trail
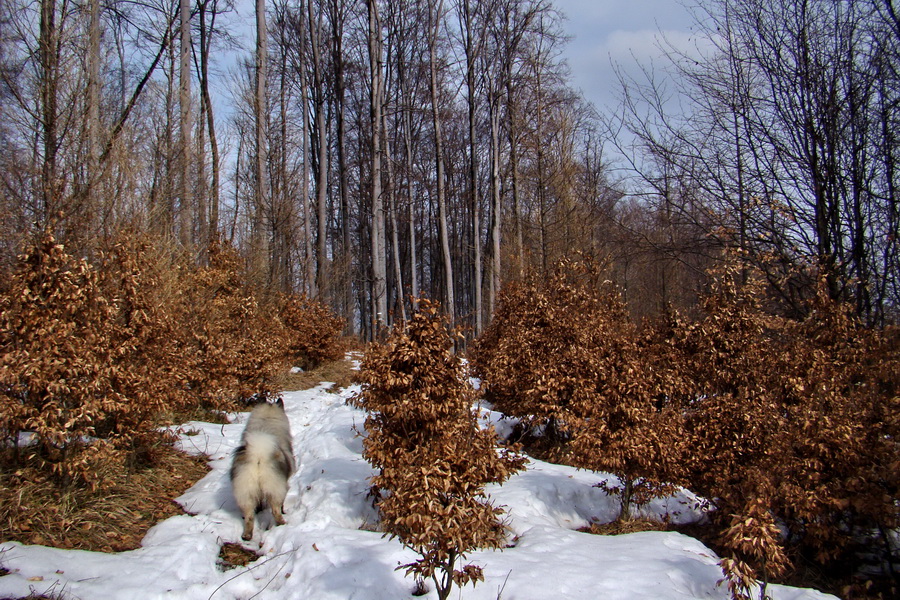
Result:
[328,550]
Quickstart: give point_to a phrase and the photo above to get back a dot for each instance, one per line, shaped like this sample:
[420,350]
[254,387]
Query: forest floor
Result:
[331,548]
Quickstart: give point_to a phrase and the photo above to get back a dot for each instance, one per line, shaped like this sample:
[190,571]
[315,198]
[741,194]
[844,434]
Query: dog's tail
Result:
[260,471]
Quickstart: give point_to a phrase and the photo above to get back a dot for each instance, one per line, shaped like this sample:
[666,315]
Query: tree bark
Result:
[211,226]
[337,33]
[184,143]
[376,95]
[93,110]
[48,49]
[435,11]
[260,265]
[472,46]
[315,37]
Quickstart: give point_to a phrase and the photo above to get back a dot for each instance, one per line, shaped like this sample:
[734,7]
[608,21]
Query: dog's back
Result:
[262,464]
[271,420]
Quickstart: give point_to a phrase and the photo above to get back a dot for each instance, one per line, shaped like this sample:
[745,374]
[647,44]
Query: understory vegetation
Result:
[432,459]
[96,355]
[788,427]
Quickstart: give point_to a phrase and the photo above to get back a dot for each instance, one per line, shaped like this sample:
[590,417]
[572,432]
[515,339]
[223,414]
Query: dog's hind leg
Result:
[276,504]
[249,513]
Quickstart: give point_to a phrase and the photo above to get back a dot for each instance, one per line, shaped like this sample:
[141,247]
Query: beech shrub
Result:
[788,427]
[563,355]
[433,460]
[95,355]
[62,374]
[312,331]
[232,339]
[788,421]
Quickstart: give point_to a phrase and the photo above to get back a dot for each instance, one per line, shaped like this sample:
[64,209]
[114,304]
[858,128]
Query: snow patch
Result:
[330,548]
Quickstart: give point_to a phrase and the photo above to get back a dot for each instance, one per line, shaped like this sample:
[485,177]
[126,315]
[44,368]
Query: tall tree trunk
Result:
[408,155]
[200,152]
[471,48]
[209,229]
[392,217]
[202,184]
[435,13]
[309,264]
[494,289]
[93,113]
[282,226]
[541,172]
[184,144]
[337,33]
[376,94]
[315,36]
[260,265]
[48,46]
[514,167]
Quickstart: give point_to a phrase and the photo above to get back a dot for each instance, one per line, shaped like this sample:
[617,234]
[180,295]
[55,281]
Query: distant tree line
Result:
[367,152]
[786,146]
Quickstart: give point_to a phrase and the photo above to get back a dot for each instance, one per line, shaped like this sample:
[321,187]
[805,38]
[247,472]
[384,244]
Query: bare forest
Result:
[364,153]
[699,286]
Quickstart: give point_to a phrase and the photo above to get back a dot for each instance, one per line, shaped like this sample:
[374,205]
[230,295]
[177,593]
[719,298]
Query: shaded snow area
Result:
[329,548]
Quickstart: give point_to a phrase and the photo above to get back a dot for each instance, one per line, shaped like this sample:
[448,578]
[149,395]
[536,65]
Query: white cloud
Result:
[627,33]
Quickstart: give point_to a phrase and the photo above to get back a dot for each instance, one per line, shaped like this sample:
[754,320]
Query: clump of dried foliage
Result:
[753,535]
[433,461]
[800,415]
[313,332]
[61,377]
[233,555]
[773,419]
[96,354]
[563,354]
[233,341]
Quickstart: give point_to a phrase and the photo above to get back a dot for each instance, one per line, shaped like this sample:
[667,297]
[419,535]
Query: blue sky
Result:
[620,31]
[601,31]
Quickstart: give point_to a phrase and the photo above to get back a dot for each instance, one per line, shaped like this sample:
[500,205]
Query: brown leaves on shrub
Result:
[754,535]
[741,404]
[432,459]
[562,353]
[232,342]
[312,332]
[60,373]
[800,413]
[94,356]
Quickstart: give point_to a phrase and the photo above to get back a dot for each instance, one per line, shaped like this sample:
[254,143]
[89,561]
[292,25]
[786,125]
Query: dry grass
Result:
[625,526]
[234,555]
[340,372]
[35,510]
[196,413]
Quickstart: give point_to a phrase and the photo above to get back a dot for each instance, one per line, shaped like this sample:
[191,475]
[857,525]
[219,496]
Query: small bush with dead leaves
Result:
[743,404]
[433,461]
[563,354]
[312,331]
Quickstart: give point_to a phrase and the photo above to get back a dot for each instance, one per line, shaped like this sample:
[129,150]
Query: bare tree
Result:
[337,15]
[784,152]
[210,224]
[473,28]
[376,95]
[184,141]
[435,21]
[319,92]
[260,112]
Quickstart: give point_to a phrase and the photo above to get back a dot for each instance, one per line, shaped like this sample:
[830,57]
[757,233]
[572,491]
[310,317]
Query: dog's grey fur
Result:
[262,464]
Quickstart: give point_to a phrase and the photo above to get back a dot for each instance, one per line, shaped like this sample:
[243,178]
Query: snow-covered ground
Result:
[329,549]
